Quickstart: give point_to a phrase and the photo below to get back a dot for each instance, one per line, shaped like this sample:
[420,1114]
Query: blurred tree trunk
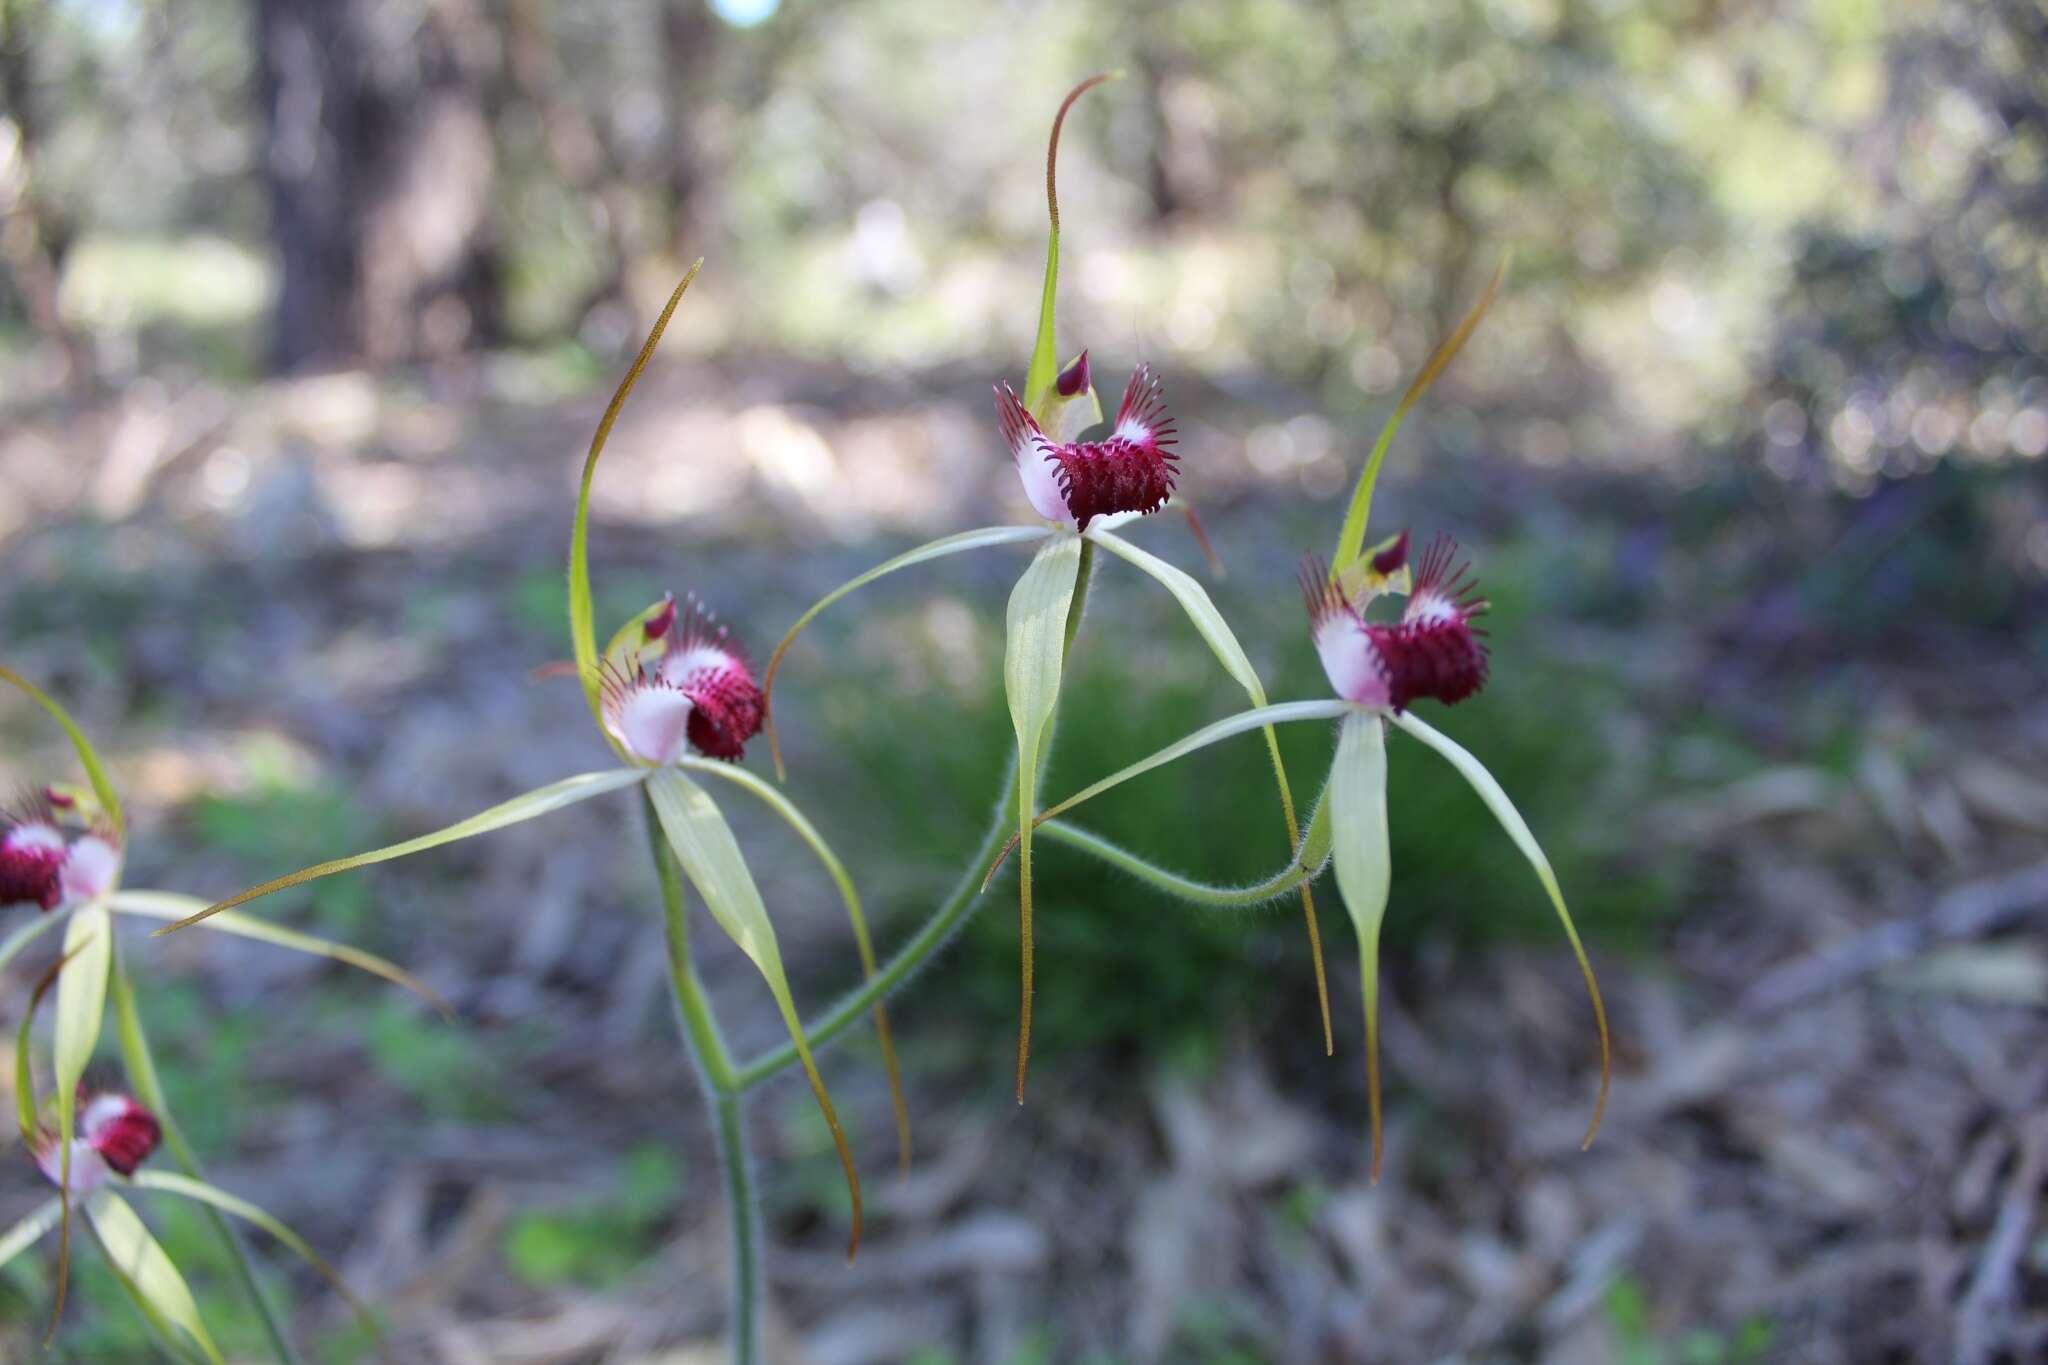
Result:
[379,162]
[33,239]
[689,35]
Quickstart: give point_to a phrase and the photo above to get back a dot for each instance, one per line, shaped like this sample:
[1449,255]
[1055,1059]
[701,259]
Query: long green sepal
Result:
[1033,657]
[711,858]
[168,905]
[582,616]
[1216,633]
[134,1253]
[1351,539]
[185,1186]
[88,757]
[538,802]
[945,545]
[848,894]
[1474,772]
[1045,349]
[1358,803]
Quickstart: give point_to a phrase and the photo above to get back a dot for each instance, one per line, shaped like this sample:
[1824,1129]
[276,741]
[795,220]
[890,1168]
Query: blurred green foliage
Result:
[1630,1314]
[600,1241]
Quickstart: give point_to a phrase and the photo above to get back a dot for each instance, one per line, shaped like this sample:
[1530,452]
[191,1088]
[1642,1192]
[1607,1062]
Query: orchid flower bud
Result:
[114,1135]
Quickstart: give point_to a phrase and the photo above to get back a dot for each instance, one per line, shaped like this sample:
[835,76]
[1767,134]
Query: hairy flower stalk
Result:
[1083,487]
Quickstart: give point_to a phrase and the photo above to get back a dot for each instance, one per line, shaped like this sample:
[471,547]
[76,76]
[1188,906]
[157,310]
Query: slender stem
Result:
[1173,883]
[143,1074]
[705,1042]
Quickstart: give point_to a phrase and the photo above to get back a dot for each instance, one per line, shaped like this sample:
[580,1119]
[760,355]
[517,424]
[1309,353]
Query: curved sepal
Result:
[945,545]
[808,832]
[540,801]
[1496,799]
[29,1230]
[1351,539]
[1358,808]
[88,757]
[1033,657]
[711,858]
[170,1182]
[1038,379]
[148,1270]
[582,627]
[81,1007]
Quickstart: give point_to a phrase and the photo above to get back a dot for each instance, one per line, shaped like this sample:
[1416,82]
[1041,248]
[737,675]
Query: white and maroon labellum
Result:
[38,866]
[1432,652]
[112,1134]
[688,686]
[1130,470]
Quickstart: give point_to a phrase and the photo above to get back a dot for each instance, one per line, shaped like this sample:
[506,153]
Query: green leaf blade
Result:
[81,1006]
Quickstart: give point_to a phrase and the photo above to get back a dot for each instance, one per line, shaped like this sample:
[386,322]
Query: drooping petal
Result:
[526,806]
[1034,455]
[1496,799]
[1216,633]
[1358,807]
[167,905]
[808,832]
[945,545]
[145,1268]
[703,843]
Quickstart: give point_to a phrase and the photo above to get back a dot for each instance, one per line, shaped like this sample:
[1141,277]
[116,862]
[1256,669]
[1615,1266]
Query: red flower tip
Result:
[58,798]
[658,624]
[1390,560]
[1073,380]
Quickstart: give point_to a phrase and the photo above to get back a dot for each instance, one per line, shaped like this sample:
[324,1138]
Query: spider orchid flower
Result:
[1083,484]
[686,686]
[675,697]
[1379,671]
[114,1135]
